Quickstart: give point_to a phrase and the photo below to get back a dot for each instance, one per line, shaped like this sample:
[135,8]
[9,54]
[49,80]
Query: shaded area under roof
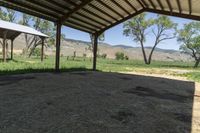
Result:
[96,16]
[13,30]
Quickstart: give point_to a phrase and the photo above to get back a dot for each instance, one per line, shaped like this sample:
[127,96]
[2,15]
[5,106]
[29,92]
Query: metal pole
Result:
[58,35]
[95,51]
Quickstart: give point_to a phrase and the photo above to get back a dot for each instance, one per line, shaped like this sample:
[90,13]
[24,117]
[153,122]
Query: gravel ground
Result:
[96,102]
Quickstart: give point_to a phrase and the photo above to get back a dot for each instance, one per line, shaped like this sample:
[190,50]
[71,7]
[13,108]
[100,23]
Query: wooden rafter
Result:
[144,2]
[160,4]
[74,27]
[190,6]
[141,3]
[20,8]
[102,11]
[96,15]
[58,4]
[18,3]
[77,8]
[118,5]
[179,6]
[121,21]
[130,5]
[110,8]
[153,5]
[86,22]
[181,15]
[169,5]
[90,19]
[81,25]
[46,7]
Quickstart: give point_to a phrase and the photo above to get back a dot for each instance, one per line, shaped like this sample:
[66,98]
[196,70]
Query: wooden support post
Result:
[11,48]
[42,49]
[4,46]
[95,45]
[58,35]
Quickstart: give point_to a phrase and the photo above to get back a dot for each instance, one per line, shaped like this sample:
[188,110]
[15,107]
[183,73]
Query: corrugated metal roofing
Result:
[14,30]
[95,16]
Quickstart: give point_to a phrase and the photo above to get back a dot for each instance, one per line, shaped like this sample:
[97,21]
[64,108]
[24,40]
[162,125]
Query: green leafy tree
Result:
[139,27]
[164,29]
[189,37]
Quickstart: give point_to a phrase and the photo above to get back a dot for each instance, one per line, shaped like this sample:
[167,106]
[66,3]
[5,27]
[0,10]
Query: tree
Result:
[164,30]
[189,37]
[139,27]
[11,15]
[136,28]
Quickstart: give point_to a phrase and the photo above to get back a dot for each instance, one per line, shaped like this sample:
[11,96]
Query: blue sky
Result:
[114,36]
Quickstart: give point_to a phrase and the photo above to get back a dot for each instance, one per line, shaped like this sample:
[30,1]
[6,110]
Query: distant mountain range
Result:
[69,46]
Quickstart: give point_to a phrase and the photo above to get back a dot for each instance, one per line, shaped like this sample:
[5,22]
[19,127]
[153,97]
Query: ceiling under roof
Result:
[96,16]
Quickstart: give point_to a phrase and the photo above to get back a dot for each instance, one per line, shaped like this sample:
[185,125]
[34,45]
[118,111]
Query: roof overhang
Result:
[96,16]
[13,30]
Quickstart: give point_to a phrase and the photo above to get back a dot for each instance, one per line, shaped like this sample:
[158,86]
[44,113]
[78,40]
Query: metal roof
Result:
[13,30]
[96,16]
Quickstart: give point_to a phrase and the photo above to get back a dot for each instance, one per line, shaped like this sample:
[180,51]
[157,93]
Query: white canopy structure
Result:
[9,31]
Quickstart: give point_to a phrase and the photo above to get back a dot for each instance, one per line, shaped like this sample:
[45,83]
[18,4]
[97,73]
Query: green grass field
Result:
[28,65]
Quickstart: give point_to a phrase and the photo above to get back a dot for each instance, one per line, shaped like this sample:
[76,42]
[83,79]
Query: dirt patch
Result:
[147,92]
[96,102]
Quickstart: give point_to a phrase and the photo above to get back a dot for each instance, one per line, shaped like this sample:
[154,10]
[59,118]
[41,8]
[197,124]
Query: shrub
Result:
[37,52]
[119,56]
[126,57]
[103,56]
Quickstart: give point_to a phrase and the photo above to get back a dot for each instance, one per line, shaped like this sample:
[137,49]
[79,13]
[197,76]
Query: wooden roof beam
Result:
[130,5]
[58,4]
[37,3]
[144,2]
[153,5]
[77,8]
[35,12]
[121,21]
[141,3]
[122,8]
[175,14]
[86,22]
[90,19]
[190,6]
[160,4]
[81,25]
[96,15]
[179,6]
[169,5]
[110,8]
[102,11]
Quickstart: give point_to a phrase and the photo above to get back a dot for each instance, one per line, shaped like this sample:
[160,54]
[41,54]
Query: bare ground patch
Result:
[96,102]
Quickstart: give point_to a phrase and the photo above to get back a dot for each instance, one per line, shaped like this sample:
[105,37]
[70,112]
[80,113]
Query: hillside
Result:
[68,46]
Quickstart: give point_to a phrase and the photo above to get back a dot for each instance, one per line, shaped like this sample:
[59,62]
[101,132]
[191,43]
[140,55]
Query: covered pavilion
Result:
[96,16]
[10,31]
